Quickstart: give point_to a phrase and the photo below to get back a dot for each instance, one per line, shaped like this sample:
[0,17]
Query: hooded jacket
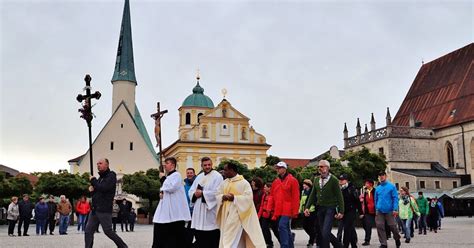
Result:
[386,198]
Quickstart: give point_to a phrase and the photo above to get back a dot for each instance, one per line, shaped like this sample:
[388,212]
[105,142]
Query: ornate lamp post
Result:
[86,112]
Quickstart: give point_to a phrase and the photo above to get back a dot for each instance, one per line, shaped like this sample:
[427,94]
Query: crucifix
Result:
[86,113]
[157,117]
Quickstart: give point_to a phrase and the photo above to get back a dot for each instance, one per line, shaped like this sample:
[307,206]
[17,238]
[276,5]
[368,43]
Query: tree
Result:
[242,169]
[14,186]
[271,160]
[365,164]
[73,186]
[146,185]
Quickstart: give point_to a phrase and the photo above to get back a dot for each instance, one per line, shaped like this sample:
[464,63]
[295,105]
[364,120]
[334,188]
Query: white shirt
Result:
[204,214]
[174,206]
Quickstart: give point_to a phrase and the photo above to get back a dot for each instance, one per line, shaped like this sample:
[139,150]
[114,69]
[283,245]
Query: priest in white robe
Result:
[172,210]
[204,203]
[236,215]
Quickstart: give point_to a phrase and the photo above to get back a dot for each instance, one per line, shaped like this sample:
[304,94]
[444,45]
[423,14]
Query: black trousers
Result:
[266,224]
[309,226]
[114,222]
[189,236]
[132,225]
[11,226]
[124,220]
[369,223]
[207,239]
[105,220]
[350,235]
[169,235]
[52,224]
[26,222]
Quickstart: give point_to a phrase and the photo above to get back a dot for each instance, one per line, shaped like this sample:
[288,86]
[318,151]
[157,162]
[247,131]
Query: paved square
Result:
[457,232]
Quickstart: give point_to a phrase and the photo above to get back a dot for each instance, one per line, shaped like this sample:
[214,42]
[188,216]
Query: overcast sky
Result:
[297,69]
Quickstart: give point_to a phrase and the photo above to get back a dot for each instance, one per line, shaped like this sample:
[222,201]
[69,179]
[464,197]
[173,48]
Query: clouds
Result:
[299,70]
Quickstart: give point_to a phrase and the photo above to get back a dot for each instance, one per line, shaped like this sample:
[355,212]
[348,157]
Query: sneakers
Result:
[398,243]
[366,243]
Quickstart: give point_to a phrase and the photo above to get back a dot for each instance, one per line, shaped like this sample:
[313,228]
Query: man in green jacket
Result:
[423,206]
[326,195]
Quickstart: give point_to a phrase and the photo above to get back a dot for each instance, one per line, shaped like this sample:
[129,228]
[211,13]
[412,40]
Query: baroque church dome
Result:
[198,99]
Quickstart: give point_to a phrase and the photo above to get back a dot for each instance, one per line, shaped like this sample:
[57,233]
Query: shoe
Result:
[436,231]
[366,243]
[398,243]
[407,241]
[424,233]
[51,233]
[419,233]
[26,234]
[382,246]
[19,235]
[412,235]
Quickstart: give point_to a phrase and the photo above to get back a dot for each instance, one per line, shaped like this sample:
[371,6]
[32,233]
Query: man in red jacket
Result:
[286,193]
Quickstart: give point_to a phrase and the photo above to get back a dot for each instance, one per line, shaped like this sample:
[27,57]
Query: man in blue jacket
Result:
[386,207]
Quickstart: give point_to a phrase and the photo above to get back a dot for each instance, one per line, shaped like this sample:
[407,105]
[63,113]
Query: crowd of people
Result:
[223,209]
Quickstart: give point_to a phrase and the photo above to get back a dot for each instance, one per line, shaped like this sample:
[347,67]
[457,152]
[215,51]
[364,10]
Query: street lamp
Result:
[86,112]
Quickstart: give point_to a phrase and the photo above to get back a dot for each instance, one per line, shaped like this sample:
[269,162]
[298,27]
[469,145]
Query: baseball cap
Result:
[343,177]
[281,164]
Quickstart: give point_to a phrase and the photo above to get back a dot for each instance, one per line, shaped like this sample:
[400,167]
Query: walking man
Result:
[204,202]
[286,195]
[386,207]
[327,196]
[351,208]
[103,192]
[26,208]
[368,209]
[52,209]
[236,214]
[172,210]
[64,209]
[424,208]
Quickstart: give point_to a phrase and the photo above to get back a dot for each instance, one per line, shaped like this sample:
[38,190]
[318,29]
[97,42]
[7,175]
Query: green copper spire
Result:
[124,66]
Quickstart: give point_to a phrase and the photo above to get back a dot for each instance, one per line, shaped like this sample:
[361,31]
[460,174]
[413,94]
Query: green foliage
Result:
[365,165]
[242,169]
[271,160]
[72,186]
[144,184]
[14,186]
[267,173]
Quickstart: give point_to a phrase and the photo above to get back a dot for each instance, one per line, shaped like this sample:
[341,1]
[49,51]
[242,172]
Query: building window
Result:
[397,186]
[131,146]
[381,150]
[111,145]
[188,119]
[455,184]
[199,115]
[437,185]
[407,184]
[422,185]
[121,125]
[450,154]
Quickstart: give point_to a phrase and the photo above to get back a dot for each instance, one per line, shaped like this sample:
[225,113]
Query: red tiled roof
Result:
[295,162]
[442,93]
[32,178]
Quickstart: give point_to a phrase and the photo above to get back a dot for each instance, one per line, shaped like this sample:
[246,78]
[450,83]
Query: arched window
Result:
[188,118]
[450,154]
[199,115]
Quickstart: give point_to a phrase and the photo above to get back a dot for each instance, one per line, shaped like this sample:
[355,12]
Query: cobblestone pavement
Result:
[457,232]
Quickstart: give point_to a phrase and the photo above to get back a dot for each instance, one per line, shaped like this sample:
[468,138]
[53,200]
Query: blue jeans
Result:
[284,229]
[326,218]
[40,227]
[81,222]
[407,228]
[63,223]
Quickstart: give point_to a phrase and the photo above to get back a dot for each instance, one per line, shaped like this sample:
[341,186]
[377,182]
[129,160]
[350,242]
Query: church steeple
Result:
[123,81]
[124,65]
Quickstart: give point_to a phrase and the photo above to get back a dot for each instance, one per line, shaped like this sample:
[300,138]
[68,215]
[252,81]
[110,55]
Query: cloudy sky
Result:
[298,69]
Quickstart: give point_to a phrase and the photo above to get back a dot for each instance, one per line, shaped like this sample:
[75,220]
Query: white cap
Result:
[281,164]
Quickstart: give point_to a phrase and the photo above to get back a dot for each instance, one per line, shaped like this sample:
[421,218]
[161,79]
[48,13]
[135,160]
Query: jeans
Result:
[422,223]
[284,230]
[105,220]
[326,218]
[63,223]
[81,223]
[407,228]
[41,227]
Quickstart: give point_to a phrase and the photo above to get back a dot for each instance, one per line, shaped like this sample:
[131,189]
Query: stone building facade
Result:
[430,143]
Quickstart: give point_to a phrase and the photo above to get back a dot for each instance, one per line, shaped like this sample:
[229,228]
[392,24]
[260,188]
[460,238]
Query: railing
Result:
[389,131]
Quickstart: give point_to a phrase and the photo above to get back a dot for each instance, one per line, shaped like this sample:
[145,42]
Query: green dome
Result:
[198,99]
